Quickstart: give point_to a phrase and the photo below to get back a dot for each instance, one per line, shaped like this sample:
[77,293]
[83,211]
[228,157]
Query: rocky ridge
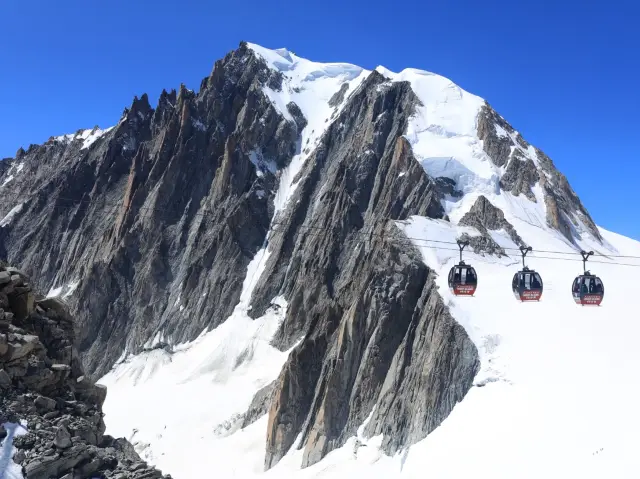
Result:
[507,148]
[43,387]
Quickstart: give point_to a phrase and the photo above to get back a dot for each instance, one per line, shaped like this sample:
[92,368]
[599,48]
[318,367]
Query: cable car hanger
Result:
[585,257]
[524,252]
[461,246]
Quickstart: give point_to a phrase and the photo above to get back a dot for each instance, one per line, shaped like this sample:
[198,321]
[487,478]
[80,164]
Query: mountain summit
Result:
[263,264]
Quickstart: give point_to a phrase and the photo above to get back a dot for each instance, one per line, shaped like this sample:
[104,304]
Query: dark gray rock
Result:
[259,405]
[296,113]
[44,404]
[353,288]
[447,186]
[338,97]
[431,371]
[484,244]
[5,379]
[63,438]
[484,217]
[61,405]
[173,188]
[520,177]
[498,147]
[4,345]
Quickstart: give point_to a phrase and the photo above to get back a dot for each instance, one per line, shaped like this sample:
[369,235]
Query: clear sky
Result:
[564,73]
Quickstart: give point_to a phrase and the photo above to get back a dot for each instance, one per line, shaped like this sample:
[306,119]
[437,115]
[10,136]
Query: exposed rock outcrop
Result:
[354,295]
[521,176]
[507,148]
[485,217]
[42,385]
[171,188]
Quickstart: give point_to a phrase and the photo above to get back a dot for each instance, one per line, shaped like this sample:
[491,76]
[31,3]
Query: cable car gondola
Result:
[587,288]
[526,284]
[463,279]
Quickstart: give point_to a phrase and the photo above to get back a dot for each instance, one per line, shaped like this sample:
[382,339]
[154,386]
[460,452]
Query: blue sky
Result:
[564,73]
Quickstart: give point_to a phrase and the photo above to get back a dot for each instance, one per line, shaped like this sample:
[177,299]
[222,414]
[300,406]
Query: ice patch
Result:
[7,180]
[88,136]
[63,291]
[93,136]
[199,125]
[501,132]
[8,468]
[11,214]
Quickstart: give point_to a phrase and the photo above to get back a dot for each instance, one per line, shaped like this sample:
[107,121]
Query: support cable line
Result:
[146,211]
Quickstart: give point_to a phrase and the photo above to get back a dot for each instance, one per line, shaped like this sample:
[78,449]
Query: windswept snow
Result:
[442,132]
[88,136]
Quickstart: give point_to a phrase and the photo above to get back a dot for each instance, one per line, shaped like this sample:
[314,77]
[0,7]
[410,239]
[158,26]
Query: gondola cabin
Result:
[463,280]
[588,290]
[527,285]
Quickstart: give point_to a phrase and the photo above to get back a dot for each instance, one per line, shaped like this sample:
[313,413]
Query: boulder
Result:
[56,308]
[22,303]
[5,380]
[12,270]
[63,438]
[4,345]
[44,404]
[22,346]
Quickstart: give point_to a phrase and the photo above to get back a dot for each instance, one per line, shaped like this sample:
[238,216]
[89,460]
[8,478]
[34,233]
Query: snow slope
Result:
[310,85]
[198,391]
[555,396]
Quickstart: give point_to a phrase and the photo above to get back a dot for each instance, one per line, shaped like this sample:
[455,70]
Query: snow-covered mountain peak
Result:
[87,136]
[326,337]
[453,134]
[303,69]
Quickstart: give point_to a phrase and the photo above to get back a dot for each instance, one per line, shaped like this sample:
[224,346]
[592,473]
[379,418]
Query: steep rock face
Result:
[352,292]
[484,217]
[42,385]
[520,177]
[508,149]
[141,216]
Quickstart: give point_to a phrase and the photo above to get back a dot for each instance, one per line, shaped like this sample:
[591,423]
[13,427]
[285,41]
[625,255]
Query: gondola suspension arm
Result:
[461,245]
[524,252]
[585,257]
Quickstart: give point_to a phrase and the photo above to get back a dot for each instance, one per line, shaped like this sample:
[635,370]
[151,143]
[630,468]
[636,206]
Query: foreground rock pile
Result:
[42,385]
